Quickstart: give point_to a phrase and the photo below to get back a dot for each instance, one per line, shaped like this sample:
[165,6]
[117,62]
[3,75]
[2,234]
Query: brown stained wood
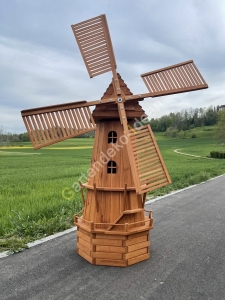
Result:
[136,240]
[194,74]
[190,76]
[38,128]
[174,79]
[153,170]
[160,156]
[197,71]
[113,229]
[138,246]
[179,78]
[50,128]
[31,131]
[87,117]
[111,237]
[132,211]
[169,74]
[107,242]
[53,126]
[69,122]
[165,80]
[77,113]
[149,177]
[167,68]
[61,139]
[143,146]
[137,259]
[144,151]
[150,181]
[84,249]
[144,199]
[82,196]
[148,162]
[83,33]
[98,65]
[45,128]
[85,243]
[107,255]
[149,84]
[138,130]
[91,235]
[54,108]
[56,125]
[84,236]
[83,118]
[111,249]
[111,262]
[85,256]
[58,116]
[136,253]
[96,53]
[147,188]
[151,155]
[86,40]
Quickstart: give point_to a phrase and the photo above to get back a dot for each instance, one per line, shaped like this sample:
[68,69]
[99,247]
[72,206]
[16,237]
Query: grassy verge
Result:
[36,198]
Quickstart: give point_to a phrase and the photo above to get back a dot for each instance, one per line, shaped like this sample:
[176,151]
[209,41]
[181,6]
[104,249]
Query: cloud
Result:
[41,64]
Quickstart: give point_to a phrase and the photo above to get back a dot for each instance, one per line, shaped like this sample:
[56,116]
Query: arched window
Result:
[112,137]
[111,167]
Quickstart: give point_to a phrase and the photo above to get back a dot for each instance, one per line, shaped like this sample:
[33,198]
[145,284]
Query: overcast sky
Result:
[40,63]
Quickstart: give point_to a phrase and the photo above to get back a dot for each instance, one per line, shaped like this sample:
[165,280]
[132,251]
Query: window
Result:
[112,137]
[111,167]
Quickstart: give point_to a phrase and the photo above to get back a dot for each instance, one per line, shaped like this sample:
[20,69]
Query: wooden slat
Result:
[148,166]
[30,132]
[51,126]
[38,128]
[93,37]
[174,79]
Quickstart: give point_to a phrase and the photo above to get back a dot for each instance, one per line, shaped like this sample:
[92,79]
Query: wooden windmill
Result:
[126,162]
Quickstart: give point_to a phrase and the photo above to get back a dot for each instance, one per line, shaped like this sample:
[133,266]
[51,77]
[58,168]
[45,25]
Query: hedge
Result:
[217,154]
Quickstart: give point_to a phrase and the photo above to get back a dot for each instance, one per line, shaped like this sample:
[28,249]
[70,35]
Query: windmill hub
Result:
[126,163]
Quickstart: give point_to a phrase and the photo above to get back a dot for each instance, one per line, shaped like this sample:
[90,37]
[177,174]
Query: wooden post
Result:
[82,193]
[125,195]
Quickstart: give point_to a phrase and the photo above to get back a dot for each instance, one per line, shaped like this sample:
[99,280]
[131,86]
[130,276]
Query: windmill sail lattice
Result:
[51,124]
[175,79]
[148,165]
[95,45]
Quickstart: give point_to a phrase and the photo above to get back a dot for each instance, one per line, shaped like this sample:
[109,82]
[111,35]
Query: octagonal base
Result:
[121,250]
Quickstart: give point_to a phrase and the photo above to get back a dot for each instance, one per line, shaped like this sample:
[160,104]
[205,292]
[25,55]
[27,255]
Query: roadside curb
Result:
[51,237]
[184,189]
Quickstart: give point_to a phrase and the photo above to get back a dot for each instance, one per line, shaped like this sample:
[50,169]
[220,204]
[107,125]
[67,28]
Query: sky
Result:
[40,63]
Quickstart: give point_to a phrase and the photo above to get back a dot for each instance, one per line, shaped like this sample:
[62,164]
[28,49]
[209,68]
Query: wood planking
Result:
[149,166]
[47,128]
[94,42]
[112,202]
[177,78]
[115,250]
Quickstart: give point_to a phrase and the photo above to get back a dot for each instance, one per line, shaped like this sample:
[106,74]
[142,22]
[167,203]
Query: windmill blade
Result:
[147,165]
[51,124]
[93,39]
[148,168]
[180,78]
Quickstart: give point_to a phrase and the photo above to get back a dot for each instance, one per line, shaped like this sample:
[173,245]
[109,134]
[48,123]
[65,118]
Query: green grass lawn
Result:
[36,196]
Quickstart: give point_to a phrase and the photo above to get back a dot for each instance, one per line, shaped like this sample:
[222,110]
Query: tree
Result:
[1,135]
[220,127]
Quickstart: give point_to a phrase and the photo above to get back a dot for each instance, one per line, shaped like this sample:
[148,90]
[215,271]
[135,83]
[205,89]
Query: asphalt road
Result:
[187,258]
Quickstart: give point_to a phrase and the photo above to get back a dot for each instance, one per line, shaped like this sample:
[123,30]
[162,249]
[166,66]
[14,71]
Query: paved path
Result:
[187,258]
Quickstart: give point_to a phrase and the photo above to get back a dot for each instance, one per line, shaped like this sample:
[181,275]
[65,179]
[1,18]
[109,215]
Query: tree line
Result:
[186,119]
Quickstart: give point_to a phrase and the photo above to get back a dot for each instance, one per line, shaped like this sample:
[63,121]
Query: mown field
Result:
[36,194]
